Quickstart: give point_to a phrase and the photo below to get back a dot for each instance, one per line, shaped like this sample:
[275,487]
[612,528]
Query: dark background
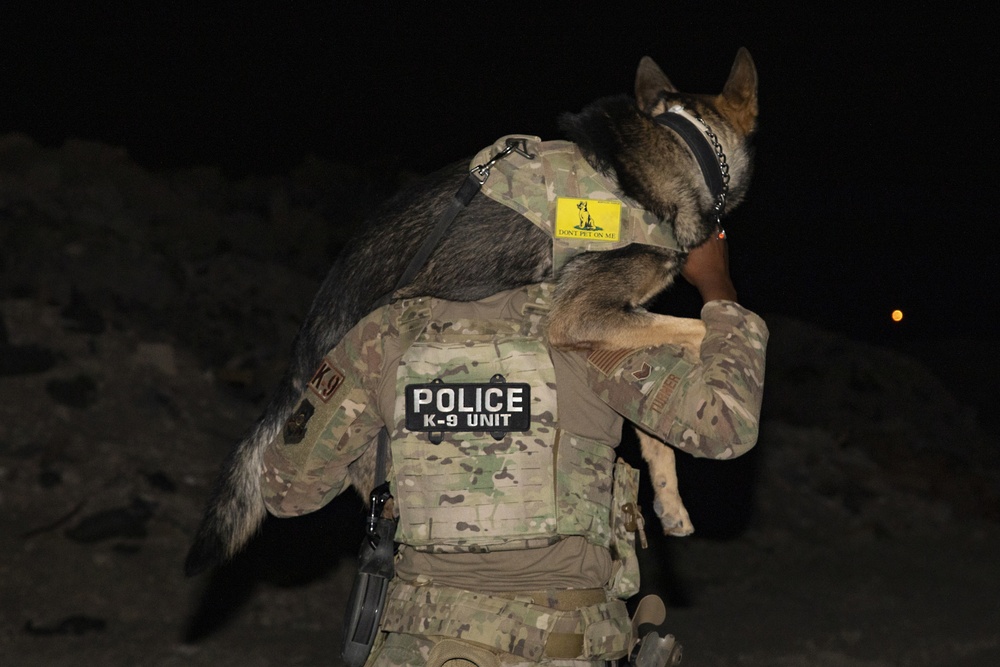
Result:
[875,168]
[875,149]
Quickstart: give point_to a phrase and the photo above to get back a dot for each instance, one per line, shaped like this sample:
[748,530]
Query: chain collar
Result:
[706,147]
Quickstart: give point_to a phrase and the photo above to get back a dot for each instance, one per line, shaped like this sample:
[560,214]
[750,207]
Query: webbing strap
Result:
[560,600]
[454,652]
[381,454]
[470,186]
[461,199]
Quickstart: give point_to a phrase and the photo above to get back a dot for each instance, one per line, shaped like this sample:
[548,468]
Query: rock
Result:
[77,624]
[129,522]
[76,392]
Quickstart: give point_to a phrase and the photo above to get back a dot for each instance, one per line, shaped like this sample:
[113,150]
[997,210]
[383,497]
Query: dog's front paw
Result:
[673,516]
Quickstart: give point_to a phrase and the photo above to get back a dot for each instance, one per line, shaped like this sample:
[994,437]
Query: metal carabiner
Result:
[376,503]
[520,146]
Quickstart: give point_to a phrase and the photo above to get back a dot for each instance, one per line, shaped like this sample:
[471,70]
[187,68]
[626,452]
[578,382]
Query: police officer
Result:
[514,527]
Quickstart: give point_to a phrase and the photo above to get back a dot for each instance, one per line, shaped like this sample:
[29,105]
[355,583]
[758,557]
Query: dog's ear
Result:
[739,95]
[650,81]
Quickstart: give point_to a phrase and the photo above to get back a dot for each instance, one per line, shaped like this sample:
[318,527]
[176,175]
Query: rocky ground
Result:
[144,318]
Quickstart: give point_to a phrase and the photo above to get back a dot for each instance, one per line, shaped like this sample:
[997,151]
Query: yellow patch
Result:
[588,219]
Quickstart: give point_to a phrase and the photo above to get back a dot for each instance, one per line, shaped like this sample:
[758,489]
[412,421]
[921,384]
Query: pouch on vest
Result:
[625,582]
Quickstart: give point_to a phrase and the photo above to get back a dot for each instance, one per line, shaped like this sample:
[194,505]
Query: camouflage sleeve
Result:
[709,407]
[305,467]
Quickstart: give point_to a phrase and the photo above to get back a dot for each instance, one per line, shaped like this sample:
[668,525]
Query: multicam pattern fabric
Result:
[304,473]
[531,187]
[625,582]
[709,407]
[468,491]
[399,650]
[471,492]
[510,626]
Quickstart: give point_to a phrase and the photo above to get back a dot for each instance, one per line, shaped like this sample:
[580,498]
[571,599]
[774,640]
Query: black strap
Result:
[470,187]
[381,454]
[700,146]
[459,201]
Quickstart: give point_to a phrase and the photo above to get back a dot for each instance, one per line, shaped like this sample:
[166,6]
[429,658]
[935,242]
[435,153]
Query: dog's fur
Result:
[598,298]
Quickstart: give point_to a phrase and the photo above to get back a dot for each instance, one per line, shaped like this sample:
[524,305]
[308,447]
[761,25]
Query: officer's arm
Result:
[715,408]
[306,465]
[708,407]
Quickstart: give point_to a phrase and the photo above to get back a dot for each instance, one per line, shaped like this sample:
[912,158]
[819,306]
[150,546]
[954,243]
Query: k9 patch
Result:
[325,381]
[496,407]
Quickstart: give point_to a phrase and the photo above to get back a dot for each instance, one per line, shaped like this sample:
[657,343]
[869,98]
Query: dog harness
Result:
[583,210]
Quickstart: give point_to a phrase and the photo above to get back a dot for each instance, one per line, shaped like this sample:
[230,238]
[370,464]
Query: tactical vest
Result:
[479,463]
[582,209]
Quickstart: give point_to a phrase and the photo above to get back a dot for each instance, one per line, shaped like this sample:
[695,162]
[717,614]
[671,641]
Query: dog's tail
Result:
[368,268]
[235,509]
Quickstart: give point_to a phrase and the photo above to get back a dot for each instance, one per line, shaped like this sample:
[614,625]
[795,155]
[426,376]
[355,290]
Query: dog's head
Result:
[652,162]
[731,116]
[735,106]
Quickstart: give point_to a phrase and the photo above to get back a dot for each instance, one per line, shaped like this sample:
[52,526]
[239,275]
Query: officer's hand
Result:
[707,268]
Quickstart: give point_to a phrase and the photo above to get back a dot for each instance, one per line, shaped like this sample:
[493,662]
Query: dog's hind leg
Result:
[663,471]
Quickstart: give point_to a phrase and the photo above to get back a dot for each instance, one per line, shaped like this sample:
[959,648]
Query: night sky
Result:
[875,154]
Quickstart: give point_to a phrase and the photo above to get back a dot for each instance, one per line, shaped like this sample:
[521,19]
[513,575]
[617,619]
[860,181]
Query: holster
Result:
[367,600]
[650,649]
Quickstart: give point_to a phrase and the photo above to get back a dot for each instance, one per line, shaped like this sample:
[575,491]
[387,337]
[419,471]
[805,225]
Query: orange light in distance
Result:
[897,316]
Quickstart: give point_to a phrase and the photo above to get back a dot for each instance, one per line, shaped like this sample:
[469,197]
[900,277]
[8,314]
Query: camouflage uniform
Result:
[556,598]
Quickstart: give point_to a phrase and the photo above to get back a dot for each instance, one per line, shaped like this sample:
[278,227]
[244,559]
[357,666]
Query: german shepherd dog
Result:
[598,298]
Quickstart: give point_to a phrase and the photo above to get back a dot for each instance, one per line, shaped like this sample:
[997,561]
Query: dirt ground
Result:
[144,318]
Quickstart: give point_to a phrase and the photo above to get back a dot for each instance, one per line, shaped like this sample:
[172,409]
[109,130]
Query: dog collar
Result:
[706,148]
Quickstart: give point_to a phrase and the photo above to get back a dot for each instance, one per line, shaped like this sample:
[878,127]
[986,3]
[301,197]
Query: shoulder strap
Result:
[470,187]
[381,453]
[459,201]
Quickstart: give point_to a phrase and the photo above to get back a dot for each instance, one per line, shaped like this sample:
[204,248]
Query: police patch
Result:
[497,407]
[325,381]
